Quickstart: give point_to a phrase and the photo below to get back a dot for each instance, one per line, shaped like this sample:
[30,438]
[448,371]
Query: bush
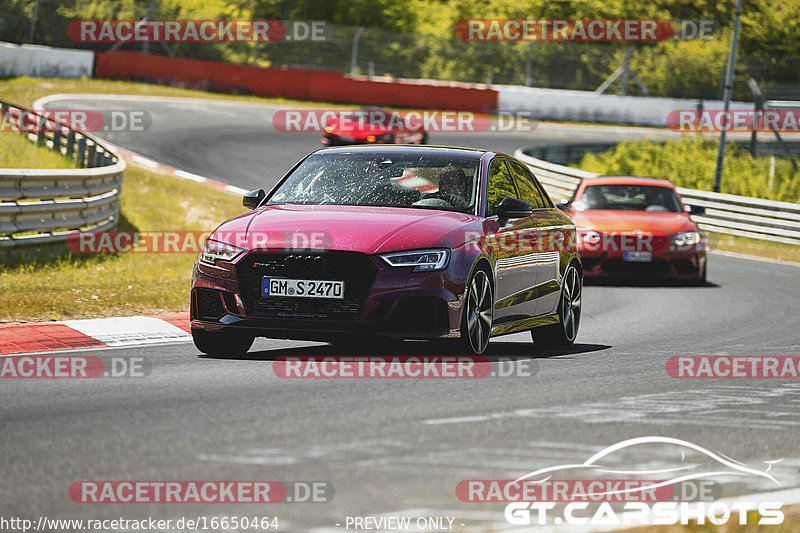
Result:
[691,163]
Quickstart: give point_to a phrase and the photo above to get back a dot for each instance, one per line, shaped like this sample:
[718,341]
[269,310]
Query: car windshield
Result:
[630,197]
[388,180]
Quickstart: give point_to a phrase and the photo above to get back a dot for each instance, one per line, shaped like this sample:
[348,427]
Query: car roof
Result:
[409,149]
[628,180]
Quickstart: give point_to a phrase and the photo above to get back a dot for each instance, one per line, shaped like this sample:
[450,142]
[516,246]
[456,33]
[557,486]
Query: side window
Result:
[500,186]
[527,187]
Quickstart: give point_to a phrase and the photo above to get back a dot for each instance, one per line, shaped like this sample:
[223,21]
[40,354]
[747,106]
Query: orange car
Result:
[636,227]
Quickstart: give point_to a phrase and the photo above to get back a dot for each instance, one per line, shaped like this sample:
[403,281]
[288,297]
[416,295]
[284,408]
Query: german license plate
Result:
[302,288]
[637,257]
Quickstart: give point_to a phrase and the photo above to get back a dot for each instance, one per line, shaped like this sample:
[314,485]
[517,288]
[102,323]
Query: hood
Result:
[368,230]
[621,221]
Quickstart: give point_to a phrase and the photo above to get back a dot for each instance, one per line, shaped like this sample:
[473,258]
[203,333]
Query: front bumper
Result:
[678,265]
[379,300]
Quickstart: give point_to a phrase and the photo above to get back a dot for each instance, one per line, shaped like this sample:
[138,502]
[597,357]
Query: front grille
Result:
[292,306]
[354,268]
[208,304]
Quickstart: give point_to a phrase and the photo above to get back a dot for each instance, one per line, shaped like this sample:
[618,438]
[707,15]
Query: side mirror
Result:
[564,205]
[695,209]
[513,208]
[253,198]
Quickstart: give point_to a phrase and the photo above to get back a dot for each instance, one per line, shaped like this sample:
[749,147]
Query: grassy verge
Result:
[51,283]
[755,247]
[24,91]
[18,152]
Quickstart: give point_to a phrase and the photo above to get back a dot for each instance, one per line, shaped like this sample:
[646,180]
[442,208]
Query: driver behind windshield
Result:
[453,187]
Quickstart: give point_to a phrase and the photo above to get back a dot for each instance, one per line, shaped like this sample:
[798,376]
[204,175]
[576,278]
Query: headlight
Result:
[214,251]
[686,239]
[421,260]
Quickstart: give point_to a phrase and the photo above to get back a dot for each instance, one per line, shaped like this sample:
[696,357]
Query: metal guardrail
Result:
[725,213]
[42,206]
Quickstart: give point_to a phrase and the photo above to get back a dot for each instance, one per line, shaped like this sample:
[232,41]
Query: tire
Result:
[476,321]
[564,333]
[222,343]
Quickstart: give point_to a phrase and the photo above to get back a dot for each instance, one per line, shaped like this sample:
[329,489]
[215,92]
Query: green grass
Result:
[51,283]
[755,247]
[16,151]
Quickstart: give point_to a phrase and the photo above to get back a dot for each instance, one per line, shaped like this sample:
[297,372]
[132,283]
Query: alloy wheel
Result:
[479,312]
[571,303]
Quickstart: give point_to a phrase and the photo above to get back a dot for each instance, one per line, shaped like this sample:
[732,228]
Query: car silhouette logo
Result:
[704,464]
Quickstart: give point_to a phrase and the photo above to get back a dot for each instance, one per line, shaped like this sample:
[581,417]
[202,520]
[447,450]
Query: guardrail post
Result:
[57,138]
[90,161]
[82,152]
[70,143]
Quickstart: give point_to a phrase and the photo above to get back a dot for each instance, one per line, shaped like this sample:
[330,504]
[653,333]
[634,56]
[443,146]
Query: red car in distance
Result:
[636,227]
[371,126]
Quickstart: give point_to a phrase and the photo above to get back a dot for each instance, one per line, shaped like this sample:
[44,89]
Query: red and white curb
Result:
[95,333]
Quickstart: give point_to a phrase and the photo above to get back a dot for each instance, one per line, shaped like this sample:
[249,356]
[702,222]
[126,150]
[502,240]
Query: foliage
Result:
[691,163]
[417,38]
